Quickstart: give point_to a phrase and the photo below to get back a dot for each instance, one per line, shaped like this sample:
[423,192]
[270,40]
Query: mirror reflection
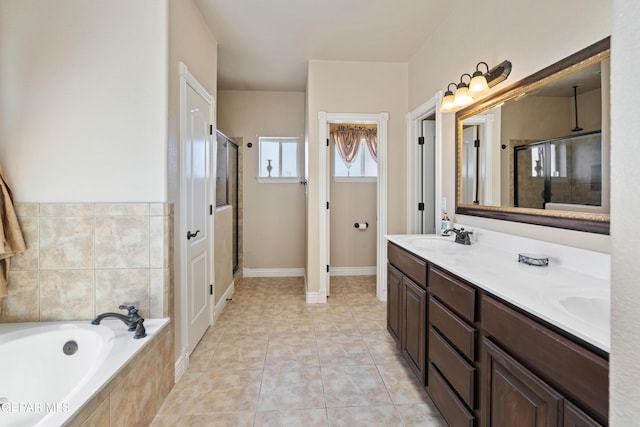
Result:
[541,148]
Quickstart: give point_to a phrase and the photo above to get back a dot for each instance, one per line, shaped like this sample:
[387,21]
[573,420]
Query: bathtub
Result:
[41,385]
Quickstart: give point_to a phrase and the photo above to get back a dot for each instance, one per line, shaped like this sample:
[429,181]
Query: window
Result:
[363,166]
[278,160]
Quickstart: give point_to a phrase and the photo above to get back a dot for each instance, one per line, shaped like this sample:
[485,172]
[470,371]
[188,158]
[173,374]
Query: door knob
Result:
[190,234]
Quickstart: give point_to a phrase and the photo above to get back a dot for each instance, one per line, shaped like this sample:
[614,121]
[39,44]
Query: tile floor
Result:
[273,360]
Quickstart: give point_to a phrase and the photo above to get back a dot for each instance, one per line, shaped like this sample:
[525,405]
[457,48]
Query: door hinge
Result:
[420,206]
[327,268]
[210,129]
[327,142]
[327,205]
[421,140]
[210,289]
[476,143]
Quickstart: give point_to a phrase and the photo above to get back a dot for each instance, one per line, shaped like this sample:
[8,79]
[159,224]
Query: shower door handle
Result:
[190,234]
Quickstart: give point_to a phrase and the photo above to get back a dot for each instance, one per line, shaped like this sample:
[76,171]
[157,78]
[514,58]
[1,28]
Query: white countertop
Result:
[572,300]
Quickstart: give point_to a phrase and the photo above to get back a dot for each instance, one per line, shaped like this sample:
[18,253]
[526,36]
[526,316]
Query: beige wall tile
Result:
[67,209]
[159,241]
[69,294]
[115,287]
[27,260]
[122,242]
[160,209]
[55,279]
[138,397]
[158,292]
[22,303]
[124,209]
[90,407]
[66,243]
[169,305]
[27,209]
[100,417]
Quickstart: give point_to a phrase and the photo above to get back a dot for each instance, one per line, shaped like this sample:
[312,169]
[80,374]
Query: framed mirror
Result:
[537,152]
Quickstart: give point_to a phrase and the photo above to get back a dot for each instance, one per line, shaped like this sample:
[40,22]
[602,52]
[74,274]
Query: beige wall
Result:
[190,42]
[529,37]
[83,100]
[356,87]
[351,203]
[273,214]
[625,204]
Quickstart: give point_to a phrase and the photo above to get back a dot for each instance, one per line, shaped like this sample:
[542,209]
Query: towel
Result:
[11,239]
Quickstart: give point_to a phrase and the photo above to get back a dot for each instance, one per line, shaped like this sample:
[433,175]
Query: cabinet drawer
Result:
[452,292]
[451,408]
[578,373]
[451,326]
[410,265]
[453,367]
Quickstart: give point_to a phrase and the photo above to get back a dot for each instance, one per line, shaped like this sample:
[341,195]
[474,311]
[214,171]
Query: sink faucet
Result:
[133,320]
[462,236]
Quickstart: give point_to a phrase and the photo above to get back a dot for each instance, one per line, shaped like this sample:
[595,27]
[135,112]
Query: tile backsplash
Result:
[87,258]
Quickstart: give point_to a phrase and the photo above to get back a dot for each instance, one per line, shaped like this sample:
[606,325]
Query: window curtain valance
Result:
[347,140]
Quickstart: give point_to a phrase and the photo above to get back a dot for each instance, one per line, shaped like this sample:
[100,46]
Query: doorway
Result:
[380,121]
[425,203]
[197,195]
[353,192]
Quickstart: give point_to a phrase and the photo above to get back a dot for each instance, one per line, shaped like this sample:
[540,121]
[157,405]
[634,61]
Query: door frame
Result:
[381,122]
[187,79]
[414,130]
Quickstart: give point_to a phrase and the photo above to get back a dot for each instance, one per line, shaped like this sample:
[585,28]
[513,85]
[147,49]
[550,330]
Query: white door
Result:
[429,177]
[468,165]
[197,164]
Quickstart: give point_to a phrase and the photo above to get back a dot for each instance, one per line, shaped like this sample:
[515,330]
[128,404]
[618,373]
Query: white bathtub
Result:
[42,386]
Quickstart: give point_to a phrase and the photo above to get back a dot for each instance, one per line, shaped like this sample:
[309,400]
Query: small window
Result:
[278,159]
[363,166]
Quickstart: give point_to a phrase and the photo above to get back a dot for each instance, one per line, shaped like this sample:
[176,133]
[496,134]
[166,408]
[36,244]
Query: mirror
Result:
[538,151]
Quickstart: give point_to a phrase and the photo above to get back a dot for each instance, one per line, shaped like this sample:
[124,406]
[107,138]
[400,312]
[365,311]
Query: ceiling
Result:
[266,44]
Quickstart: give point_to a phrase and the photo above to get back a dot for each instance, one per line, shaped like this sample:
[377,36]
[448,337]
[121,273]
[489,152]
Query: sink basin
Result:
[430,241]
[595,309]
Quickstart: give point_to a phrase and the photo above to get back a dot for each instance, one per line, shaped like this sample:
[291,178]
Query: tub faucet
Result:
[133,320]
[462,236]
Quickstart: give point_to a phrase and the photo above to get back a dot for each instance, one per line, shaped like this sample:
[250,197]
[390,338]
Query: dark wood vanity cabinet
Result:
[407,307]
[486,363]
[533,375]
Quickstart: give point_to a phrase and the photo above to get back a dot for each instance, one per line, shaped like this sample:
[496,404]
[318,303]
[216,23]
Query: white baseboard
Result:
[353,271]
[223,301]
[181,366]
[273,272]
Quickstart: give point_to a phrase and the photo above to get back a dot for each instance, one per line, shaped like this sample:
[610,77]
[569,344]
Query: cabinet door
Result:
[394,301]
[513,396]
[574,417]
[414,327]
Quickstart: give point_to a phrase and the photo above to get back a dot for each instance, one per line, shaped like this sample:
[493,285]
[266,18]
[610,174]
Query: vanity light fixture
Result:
[478,86]
[447,101]
[462,96]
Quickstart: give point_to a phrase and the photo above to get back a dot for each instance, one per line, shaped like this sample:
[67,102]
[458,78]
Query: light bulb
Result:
[478,85]
[447,102]
[462,96]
